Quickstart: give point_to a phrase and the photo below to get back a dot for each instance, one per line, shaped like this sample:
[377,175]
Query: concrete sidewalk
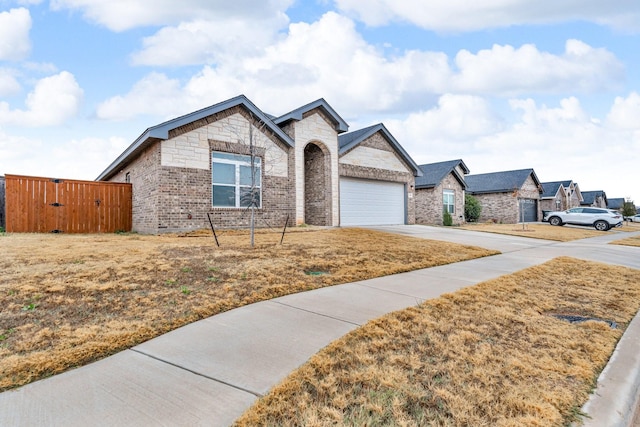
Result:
[208,373]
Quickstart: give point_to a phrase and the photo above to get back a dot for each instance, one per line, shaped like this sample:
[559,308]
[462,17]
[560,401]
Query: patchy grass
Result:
[66,300]
[539,231]
[489,355]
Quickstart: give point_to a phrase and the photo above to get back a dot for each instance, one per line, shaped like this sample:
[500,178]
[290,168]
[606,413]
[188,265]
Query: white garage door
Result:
[368,202]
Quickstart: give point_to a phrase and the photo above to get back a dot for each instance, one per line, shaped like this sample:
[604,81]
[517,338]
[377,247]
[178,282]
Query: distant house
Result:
[616,204]
[507,197]
[441,187]
[596,199]
[560,195]
[303,165]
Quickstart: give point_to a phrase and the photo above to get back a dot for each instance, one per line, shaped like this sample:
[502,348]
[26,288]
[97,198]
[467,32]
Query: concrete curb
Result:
[617,394]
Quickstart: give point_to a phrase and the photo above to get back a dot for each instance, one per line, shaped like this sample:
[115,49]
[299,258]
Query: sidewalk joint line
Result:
[317,314]
[197,373]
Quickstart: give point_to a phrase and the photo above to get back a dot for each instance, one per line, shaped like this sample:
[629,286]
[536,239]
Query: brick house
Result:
[507,197]
[597,199]
[302,165]
[441,187]
[560,195]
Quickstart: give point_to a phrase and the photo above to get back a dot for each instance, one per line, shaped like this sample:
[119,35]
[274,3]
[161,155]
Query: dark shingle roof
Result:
[550,189]
[348,141]
[339,123]
[499,182]
[434,173]
[616,203]
[589,197]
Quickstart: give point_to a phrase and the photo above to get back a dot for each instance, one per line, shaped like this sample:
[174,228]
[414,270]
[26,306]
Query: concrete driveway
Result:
[209,372]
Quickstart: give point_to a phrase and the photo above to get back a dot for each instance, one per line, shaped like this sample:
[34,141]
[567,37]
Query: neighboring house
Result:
[560,195]
[307,169]
[596,199]
[507,197]
[616,204]
[441,187]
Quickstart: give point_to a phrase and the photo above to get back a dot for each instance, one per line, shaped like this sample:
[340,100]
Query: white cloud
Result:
[120,15]
[330,59]
[155,94]
[505,70]
[325,59]
[209,41]
[8,83]
[559,142]
[460,16]
[14,34]
[53,100]
[456,119]
[625,113]
[74,159]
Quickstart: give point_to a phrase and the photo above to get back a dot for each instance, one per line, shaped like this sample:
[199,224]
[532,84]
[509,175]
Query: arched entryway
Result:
[317,185]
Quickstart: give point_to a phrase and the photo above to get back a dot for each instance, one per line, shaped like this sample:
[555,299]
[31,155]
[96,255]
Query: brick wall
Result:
[144,176]
[317,187]
[504,207]
[172,184]
[429,203]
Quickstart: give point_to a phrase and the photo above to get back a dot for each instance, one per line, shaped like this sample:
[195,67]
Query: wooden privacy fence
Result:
[45,205]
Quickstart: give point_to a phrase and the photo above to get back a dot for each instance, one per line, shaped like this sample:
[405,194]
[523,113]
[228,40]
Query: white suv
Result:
[599,218]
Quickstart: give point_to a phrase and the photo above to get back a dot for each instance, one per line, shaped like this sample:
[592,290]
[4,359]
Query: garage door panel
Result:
[529,210]
[370,202]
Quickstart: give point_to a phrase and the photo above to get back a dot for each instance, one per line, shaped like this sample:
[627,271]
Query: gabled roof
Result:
[350,140]
[550,189]
[589,197]
[499,182]
[434,173]
[616,203]
[161,131]
[339,124]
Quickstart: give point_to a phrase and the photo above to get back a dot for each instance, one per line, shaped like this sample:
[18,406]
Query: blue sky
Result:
[507,84]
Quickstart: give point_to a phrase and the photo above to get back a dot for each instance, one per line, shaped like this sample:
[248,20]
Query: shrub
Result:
[472,208]
[447,219]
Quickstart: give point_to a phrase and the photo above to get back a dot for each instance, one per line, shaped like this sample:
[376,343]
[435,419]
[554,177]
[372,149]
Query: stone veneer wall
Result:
[429,202]
[377,141]
[316,128]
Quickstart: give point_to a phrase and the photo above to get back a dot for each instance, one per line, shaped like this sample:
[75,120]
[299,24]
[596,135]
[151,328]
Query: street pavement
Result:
[209,372]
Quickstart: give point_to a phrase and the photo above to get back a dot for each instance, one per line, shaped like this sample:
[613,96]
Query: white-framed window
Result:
[449,201]
[235,183]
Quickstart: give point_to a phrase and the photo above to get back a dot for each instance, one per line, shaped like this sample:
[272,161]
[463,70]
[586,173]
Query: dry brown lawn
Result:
[489,355]
[542,231]
[66,300]
[629,241]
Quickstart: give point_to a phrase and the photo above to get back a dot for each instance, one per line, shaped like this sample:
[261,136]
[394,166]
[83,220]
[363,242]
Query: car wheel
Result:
[601,225]
[554,220]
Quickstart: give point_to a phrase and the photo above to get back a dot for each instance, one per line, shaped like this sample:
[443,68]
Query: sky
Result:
[501,84]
